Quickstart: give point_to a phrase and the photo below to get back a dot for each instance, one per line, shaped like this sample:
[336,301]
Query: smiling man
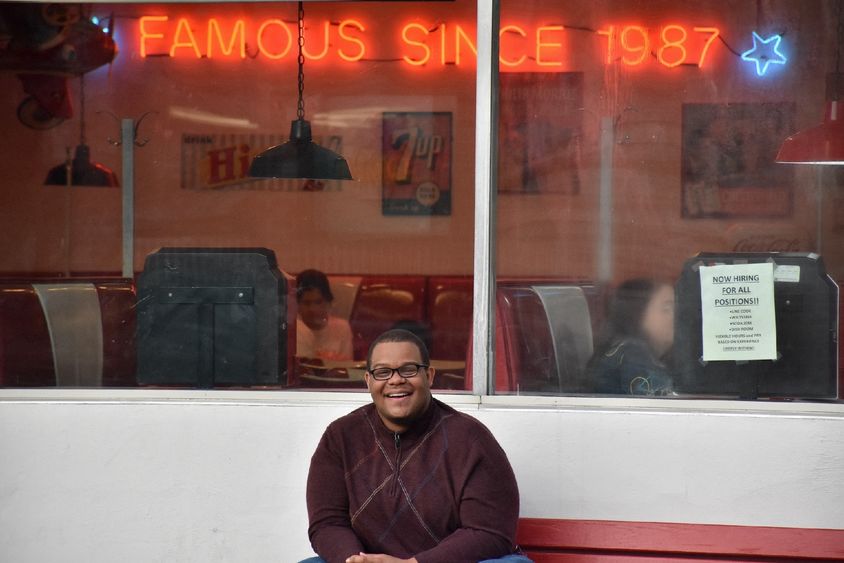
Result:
[408,478]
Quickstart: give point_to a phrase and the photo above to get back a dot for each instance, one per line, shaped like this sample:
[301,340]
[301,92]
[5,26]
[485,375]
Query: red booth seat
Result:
[67,333]
[543,338]
[26,356]
[119,321]
[543,329]
[840,346]
[381,303]
[449,308]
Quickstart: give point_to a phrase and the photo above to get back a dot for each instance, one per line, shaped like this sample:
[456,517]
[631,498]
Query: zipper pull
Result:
[394,488]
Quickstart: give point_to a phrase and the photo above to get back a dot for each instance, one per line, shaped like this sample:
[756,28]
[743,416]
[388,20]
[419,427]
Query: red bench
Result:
[595,541]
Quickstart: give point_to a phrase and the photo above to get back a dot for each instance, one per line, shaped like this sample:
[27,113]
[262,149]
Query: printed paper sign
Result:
[727,151]
[540,133]
[737,304]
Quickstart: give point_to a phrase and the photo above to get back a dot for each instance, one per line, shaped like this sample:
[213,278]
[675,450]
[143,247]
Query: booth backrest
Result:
[27,354]
[211,316]
[381,303]
[345,291]
[450,313]
[67,332]
[504,375]
[571,330]
[528,342]
[119,322]
[840,346]
[73,317]
[528,326]
[547,335]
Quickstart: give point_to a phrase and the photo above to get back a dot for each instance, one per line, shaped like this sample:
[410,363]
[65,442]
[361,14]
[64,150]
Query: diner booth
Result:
[491,175]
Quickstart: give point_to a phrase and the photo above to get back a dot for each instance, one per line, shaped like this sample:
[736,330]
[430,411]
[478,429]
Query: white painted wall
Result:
[220,476]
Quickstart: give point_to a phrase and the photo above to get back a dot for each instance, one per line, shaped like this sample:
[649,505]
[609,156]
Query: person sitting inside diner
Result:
[406,478]
[319,334]
[630,356]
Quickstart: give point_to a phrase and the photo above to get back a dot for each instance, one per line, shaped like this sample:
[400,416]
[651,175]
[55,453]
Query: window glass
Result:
[209,295]
[643,224]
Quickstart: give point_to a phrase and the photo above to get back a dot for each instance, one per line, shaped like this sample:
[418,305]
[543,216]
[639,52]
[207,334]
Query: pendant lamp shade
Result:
[822,144]
[83,172]
[300,157]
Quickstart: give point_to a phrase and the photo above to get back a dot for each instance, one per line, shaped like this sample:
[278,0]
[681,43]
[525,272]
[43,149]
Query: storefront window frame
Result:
[486,165]
[484,288]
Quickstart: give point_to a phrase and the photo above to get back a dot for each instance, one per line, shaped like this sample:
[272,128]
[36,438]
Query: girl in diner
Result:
[319,334]
[630,356]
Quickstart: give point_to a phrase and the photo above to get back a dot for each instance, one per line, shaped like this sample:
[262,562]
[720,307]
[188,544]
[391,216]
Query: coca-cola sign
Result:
[771,243]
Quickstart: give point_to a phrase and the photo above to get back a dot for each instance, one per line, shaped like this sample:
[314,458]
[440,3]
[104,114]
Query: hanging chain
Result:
[835,95]
[839,34]
[82,109]
[82,140]
[300,108]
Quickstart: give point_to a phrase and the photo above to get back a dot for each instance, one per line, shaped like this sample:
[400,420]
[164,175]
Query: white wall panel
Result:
[217,476]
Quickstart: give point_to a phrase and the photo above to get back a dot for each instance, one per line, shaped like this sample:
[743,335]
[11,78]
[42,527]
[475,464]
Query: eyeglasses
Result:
[406,371]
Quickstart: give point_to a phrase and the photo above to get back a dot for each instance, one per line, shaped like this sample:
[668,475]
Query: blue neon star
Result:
[764,53]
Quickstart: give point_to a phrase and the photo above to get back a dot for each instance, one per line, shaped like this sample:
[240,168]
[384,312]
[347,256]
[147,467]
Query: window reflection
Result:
[638,136]
[630,358]
[217,83]
[633,137]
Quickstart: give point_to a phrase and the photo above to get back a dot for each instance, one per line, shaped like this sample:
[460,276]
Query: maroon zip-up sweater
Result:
[443,491]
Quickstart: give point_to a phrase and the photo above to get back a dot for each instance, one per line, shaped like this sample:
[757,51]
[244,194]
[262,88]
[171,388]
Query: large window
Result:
[389,86]
[637,152]
[635,172]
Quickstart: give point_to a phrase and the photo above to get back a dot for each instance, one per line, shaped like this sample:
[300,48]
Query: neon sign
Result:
[418,45]
[764,53]
[671,49]
[273,39]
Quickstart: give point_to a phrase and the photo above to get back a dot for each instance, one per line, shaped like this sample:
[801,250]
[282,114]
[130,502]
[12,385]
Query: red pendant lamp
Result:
[821,144]
[80,170]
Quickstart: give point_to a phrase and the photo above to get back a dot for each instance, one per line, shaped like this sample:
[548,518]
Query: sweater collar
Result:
[417,428]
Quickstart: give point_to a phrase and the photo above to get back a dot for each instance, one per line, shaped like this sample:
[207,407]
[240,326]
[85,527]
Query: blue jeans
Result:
[506,559]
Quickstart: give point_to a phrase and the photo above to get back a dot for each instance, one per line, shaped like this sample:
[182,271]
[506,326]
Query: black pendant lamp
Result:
[300,157]
[80,171]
